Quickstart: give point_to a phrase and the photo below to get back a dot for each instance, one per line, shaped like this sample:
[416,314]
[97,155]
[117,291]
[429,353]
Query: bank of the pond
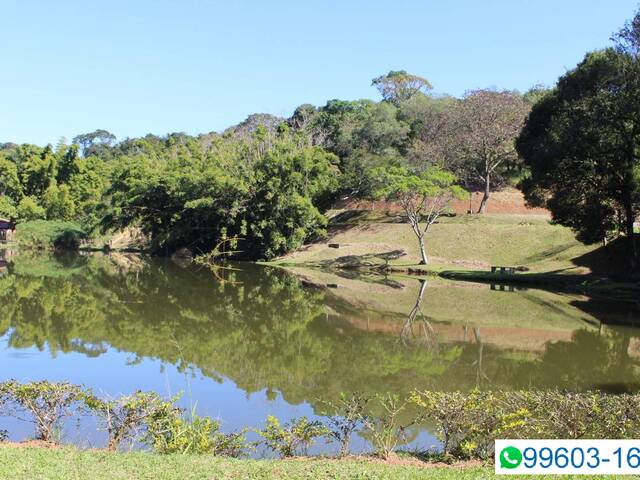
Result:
[30,462]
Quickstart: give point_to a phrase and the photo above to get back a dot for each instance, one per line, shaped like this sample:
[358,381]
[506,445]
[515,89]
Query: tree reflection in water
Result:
[265,330]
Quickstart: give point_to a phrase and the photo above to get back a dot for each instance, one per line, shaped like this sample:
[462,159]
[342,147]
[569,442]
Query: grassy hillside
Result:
[462,241]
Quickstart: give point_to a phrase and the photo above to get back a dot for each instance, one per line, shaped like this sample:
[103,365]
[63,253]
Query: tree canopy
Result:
[581,144]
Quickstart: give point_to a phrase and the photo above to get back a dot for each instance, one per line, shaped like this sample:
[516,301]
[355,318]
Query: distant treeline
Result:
[265,181]
[263,184]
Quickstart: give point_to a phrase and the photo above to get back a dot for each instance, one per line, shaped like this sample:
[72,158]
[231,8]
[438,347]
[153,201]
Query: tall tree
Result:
[398,86]
[582,145]
[485,126]
[97,142]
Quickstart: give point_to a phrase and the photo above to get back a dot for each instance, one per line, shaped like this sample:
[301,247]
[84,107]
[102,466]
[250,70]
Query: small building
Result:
[7,230]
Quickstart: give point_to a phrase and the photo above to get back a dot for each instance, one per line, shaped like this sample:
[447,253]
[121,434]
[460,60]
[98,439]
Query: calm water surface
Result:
[254,341]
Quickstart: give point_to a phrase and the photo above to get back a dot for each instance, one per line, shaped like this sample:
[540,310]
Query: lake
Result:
[249,341]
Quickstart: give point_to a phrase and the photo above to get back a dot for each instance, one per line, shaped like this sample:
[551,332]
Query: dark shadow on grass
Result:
[612,260]
[370,260]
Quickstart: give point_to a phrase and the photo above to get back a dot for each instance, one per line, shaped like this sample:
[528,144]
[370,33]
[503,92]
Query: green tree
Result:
[398,86]
[9,179]
[423,195]
[58,203]
[289,187]
[582,145]
[98,142]
[37,167]
[29,209]
[7,207]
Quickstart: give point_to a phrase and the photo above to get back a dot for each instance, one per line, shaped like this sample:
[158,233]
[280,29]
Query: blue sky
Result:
[141,66]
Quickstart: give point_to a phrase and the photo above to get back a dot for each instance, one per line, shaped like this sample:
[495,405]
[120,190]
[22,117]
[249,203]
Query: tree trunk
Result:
[487,192]
[629,220]
[423,253]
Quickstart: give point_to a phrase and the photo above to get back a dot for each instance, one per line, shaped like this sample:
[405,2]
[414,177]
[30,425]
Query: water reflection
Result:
[307,336]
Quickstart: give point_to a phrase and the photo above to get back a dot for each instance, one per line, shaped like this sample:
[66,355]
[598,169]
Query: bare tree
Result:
[485,126]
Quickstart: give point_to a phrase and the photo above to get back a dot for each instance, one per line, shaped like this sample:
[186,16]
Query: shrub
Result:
[292,438]
[170,431]
[348,417]
[125,418]
[47,404]
[3,400]
[557,414]
[388,428]
[468,424]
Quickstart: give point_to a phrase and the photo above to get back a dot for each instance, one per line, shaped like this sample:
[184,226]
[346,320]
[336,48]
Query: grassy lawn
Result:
[43,234]
[67,463]
[460,242]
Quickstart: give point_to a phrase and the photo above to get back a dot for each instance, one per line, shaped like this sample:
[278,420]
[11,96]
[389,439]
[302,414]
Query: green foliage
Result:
[125,418]
[347,416]
[289,186]
[10,184]
[424,195]
[42,234]
[292,438]
[29,209]
[169,431]
[266,191]
[58,203]
[467,424]
[46,404]
[580,143]
[398,86]
[7,208]
[387,425]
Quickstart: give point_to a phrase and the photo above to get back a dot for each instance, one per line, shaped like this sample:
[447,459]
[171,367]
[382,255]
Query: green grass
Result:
[460,242]
[67,463]
[45,234]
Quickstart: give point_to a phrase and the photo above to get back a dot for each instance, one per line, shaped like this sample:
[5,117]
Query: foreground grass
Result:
[68,463]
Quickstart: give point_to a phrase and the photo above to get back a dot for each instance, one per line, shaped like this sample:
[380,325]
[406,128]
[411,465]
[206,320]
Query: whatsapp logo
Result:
[510,457]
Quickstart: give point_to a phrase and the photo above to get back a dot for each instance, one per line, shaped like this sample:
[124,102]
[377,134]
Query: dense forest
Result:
[264,184]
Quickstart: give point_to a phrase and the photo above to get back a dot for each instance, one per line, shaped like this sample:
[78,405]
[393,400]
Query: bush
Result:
[468,424]
[292,438]
[125,418]
[47,404]
[170,431]
[388,428]
[349,415]
[557,414]
[42,234]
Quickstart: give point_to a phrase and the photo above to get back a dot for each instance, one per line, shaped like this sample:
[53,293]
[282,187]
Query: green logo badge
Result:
[510,457]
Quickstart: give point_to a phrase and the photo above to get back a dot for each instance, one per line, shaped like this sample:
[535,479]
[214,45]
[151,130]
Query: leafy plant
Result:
[170,431]
[468,423]
[349,415]
[125,418]
[388,428]
[293,437]
[47,404]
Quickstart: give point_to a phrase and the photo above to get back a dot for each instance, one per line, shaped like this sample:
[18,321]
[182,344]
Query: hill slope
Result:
[461,241]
